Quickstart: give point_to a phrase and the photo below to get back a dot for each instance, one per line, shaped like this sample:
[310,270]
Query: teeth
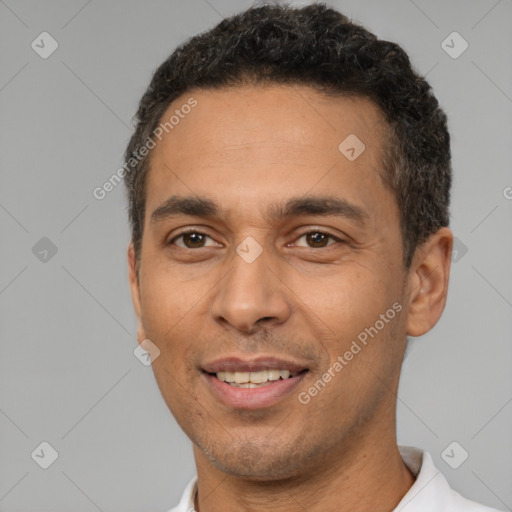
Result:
[259,377]
[228,376]
[274,374]
[249,385]
[284,374]
[241,377]
[252,379]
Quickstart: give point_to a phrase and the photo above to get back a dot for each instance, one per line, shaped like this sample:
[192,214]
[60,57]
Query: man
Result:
[289,182]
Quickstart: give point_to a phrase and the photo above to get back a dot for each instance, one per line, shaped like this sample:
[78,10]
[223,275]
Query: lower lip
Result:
[252,398]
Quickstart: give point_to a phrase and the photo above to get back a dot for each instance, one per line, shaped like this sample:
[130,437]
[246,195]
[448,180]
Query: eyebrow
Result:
[294,207]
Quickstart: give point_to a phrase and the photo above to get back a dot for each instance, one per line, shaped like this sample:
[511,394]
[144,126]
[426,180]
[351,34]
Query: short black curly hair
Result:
[319,47]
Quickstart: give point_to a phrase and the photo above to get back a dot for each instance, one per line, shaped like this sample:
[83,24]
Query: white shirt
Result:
[429,493]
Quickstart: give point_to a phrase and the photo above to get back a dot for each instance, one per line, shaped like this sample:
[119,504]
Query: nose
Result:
[251,295]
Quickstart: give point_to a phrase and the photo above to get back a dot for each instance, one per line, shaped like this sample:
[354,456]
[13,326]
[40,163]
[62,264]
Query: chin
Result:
[257,462]
[262,472]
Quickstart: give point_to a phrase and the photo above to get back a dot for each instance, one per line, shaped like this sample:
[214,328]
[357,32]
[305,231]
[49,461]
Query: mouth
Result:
[252,384]
[257,379]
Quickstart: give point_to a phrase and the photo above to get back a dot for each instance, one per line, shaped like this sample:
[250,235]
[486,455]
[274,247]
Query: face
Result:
[267,249]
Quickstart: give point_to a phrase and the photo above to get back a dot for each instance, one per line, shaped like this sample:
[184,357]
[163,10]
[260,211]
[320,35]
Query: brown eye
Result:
[192,240]
[316,240]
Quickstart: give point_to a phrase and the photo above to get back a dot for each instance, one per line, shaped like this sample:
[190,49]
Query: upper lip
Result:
[238,364]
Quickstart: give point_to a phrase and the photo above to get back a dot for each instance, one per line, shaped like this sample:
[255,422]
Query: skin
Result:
[248,148]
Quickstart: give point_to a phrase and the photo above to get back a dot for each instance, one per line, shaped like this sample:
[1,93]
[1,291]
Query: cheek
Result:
[170,313]
[164,300]
[345,299]
[176,388]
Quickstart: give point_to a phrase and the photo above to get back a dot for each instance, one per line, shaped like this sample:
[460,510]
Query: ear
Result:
[428,282]
[135,291]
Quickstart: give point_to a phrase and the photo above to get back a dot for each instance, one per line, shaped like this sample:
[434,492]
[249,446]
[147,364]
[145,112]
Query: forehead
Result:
[260,142]
[282,114]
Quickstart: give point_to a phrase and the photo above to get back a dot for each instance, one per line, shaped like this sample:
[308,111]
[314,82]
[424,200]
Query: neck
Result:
[363,476]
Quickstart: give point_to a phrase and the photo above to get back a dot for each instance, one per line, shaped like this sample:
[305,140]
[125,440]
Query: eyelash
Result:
[315,231]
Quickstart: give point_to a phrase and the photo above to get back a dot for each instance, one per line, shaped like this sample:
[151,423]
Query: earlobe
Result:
[428,282]
[135,291]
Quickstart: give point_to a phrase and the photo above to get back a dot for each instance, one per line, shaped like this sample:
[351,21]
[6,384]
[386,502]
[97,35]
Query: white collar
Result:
[429,493]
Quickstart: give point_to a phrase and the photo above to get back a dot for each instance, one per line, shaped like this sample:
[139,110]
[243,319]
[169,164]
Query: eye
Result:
[193,240]
[317,239]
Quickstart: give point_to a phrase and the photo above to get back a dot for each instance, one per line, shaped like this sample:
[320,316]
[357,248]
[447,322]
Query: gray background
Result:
[68,375]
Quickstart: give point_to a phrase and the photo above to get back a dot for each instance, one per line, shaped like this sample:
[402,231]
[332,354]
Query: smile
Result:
[256,379]
[276,385]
